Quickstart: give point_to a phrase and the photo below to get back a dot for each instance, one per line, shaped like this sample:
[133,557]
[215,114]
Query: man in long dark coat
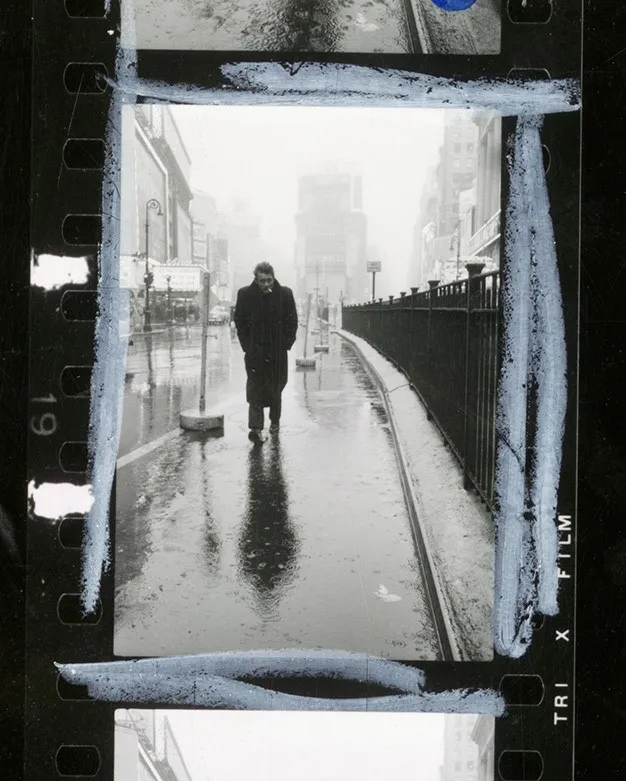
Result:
[267,324]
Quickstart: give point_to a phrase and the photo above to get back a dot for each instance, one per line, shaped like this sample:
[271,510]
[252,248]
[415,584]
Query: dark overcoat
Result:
[267,325]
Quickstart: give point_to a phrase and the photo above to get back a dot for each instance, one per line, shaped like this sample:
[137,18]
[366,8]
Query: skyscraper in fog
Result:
[457,168]
[241,228]
[439,218]
[331,230]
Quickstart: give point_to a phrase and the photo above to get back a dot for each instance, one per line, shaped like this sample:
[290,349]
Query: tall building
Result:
[459,212]
[241,229]
[209,250]
[219,266]
[460,752]
[155,166]
[205,222]
[485,240]
[457,168]
[437,236]
[467,218]
[331,228]
[424,230]
[163,168]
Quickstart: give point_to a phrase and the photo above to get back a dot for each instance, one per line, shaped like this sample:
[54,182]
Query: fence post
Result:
[401,331]
[389,329]
[380,320]
[410,365]
[432,284]
[473,271]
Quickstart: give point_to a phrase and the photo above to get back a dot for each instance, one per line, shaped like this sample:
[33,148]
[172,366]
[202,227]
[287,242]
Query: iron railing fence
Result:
[445,340]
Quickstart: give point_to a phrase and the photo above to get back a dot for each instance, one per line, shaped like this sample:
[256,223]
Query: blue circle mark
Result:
[454,5]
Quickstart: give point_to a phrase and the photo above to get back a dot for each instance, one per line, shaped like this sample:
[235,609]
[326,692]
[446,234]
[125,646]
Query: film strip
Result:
[70,727]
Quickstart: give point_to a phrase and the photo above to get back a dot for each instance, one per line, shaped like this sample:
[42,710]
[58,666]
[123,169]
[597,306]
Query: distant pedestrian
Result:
[267,324]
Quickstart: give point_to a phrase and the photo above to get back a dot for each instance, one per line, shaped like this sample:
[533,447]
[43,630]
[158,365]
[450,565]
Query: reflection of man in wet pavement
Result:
[267,323]
[268,545]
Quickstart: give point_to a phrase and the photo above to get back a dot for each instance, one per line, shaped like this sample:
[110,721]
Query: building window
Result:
[470,147]
[469,163]
[457,148]
[457,767]
[470,765]
[457,163]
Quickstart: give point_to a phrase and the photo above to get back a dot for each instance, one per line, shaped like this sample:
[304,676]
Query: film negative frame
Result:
[70,124]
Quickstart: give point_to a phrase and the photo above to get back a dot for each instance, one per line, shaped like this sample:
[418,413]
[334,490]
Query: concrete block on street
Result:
[194,420]
[320,348]
[305,363]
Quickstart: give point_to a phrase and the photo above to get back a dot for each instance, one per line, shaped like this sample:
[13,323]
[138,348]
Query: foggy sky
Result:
[257,152]
[301,746]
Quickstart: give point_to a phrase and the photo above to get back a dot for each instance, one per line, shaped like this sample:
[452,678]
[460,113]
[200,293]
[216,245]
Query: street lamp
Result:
[148,277]
[169,299]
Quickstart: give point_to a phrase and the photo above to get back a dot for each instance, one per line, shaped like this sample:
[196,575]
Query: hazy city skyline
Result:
[257,153]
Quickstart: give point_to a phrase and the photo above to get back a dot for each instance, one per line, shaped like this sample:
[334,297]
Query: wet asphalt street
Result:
[273,25]
[301,542]
[358,26]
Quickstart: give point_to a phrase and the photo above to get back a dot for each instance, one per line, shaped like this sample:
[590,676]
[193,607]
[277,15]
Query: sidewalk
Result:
[303,542]
[456,527]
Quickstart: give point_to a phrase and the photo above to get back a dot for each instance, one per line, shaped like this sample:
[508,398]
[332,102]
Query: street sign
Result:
[373,266]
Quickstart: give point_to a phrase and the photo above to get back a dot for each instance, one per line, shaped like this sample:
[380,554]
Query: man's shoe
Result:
[274,428]
[256,435]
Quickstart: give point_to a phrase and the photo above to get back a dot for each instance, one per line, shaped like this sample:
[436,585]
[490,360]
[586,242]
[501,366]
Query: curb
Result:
[135,334]
[413,9]
[435,590]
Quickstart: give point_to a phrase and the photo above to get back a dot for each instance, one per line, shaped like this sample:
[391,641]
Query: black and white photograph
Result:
[352,26]
[308,418]
[180,745]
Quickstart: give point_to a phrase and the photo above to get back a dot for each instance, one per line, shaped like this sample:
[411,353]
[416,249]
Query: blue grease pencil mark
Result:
[107,382]
[549,372]
[454,5]
[333,84]
[534,351]
[513,582]
[212,680]
[525,551]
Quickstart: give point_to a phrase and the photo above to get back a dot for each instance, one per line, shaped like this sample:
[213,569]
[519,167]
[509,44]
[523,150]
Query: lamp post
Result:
[148,277]
[317,291]
[169,299]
